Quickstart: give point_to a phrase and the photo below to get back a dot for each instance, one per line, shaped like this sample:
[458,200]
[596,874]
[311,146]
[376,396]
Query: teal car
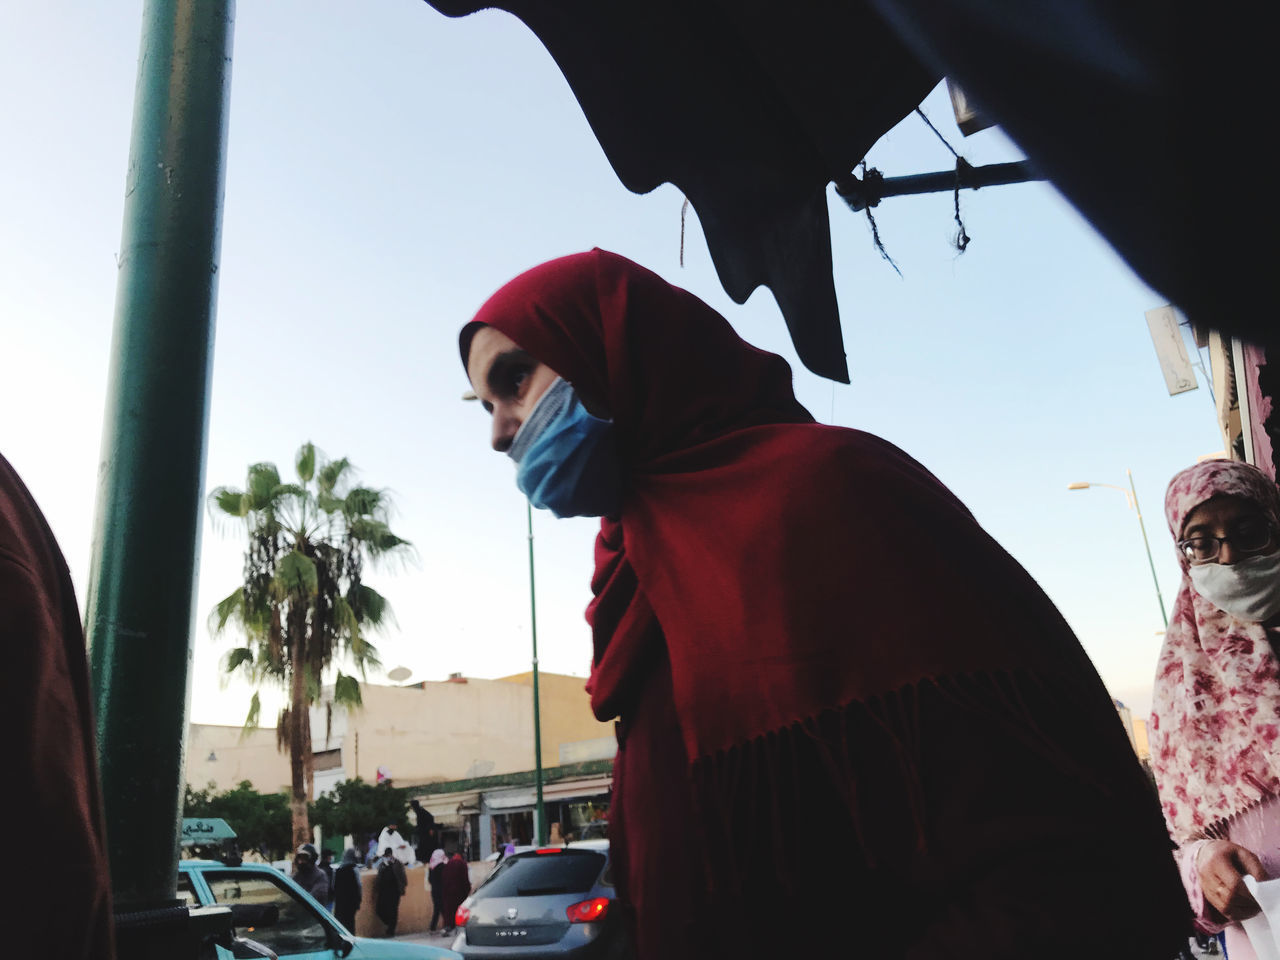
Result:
[269,908]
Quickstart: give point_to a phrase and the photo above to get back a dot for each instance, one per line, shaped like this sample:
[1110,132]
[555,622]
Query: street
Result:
[438,941]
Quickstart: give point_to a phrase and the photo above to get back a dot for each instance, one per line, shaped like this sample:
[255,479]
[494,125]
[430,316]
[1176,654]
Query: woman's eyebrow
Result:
[504,361]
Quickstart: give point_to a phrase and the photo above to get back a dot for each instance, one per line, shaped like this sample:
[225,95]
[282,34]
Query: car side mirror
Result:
[242,948]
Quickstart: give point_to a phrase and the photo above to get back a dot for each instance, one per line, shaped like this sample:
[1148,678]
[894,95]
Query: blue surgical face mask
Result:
[566,459]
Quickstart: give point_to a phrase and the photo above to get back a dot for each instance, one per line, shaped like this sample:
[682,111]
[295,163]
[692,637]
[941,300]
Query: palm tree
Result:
[303,606]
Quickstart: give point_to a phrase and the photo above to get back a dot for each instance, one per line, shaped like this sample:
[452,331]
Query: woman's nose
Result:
[505,426]
[1226,553]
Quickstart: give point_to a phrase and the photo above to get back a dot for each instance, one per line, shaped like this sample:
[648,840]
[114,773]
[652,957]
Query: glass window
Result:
[537,874]
[266,910]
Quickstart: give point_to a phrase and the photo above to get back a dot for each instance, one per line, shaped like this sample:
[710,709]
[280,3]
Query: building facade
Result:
[425,733]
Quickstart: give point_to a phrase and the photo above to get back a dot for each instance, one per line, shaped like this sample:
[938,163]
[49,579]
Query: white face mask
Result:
[1248,590]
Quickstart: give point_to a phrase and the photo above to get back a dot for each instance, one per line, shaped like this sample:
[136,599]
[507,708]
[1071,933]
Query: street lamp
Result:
[540,819]
[1131,499]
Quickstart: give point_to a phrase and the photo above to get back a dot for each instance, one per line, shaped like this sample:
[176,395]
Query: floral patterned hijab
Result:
[1215,723]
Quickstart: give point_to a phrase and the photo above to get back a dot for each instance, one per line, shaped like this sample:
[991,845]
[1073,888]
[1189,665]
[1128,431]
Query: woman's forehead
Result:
[1220,510]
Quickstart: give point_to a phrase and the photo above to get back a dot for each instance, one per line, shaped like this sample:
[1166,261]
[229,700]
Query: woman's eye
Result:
[1199,548]
[1252,534]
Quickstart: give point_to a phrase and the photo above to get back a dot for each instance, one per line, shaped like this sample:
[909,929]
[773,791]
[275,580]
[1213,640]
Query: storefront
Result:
[486,813]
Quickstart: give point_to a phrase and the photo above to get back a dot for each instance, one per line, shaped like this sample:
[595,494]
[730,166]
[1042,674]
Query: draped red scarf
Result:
[792,568]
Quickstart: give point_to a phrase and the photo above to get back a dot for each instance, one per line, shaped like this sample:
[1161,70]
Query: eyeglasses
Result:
[1249,536]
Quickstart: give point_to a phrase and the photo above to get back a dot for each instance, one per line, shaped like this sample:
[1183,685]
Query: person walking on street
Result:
[1215,722]
[389,885]
[455,886]
[797,623]
[435,876]
[347,889]
[326,865]
[308,875]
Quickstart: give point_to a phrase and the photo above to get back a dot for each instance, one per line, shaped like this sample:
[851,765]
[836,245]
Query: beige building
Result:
[224,756]
[1136,729]
[570,734]
[418,734]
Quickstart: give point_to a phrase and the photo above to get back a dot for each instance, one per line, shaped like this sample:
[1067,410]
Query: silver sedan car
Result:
[546,902]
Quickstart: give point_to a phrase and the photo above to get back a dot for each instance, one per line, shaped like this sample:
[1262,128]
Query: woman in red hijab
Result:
[847,718]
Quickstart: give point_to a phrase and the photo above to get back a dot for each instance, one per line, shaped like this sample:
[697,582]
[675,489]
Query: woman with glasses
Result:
[1215,727]
[842,706]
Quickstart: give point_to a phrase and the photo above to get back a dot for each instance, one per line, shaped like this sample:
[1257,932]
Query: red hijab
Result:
[792,568]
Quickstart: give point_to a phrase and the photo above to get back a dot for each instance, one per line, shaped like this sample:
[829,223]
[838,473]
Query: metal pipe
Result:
[874,187]
[1146,543]
[151,475]
[539,813]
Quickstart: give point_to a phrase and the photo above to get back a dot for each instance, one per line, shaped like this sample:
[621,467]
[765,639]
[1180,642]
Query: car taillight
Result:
[462,916]
[588,910]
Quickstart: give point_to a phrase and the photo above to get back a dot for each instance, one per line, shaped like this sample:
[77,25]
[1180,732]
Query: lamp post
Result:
[538,815]
[1131,499]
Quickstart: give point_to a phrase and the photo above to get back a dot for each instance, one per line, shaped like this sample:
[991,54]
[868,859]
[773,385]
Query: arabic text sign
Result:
[205,830]
[1171,350]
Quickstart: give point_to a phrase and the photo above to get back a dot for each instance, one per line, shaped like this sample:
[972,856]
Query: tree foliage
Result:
[260,820]
[360,809]
[304,607]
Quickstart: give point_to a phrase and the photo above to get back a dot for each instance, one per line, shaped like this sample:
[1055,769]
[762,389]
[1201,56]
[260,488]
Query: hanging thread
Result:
[875,232]
[961,239]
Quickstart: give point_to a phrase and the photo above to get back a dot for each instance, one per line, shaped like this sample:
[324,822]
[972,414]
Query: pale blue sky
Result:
[388,168]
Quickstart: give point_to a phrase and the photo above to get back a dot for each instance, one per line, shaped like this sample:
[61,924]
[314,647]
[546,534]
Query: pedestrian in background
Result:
[326,865]
[309,875]
[795,624]
[1215,723]
[400,849]
[435,877]
[455,886]
[424,831]
[389,885]
[348,891]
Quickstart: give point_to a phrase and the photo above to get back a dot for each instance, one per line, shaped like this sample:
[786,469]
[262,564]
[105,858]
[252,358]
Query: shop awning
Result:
[751,109]
[525,797]
[447,807]
[509,799]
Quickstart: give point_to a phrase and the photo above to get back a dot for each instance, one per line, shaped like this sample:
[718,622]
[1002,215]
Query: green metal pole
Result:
[539,813]
[1146,543]
[151,475]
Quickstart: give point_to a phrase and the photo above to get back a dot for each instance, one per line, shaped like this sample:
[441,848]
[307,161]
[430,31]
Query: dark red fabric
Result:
[1024,859]
[61,901]
[804,567]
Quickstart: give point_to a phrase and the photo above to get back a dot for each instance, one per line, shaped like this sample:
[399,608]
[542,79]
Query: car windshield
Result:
[534,874]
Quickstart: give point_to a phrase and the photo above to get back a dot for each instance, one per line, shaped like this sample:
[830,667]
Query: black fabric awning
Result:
[751,107]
